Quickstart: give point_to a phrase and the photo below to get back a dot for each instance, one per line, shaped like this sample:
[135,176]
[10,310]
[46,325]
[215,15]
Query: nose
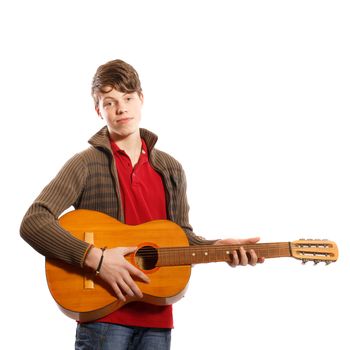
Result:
[121,109]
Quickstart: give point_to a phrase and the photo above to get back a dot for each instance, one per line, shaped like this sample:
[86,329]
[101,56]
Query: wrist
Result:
[97,271]
[93,258]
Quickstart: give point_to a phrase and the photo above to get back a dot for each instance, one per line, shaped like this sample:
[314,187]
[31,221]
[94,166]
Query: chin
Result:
[124,132]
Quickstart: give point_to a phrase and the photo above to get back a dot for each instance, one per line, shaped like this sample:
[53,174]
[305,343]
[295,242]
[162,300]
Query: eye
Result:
[108,104]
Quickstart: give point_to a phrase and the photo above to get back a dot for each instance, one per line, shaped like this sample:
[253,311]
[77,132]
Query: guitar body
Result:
[85,297]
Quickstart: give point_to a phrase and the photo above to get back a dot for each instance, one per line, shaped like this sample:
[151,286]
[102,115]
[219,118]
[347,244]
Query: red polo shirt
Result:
[143,198]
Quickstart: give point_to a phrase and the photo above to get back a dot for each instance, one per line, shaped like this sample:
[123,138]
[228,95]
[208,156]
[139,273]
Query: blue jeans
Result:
[106,336]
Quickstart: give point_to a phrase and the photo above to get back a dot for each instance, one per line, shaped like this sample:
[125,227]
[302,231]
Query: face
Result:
[121,111]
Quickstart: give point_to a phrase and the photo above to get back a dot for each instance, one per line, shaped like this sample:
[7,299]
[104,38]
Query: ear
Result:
[97,109]
[142,98]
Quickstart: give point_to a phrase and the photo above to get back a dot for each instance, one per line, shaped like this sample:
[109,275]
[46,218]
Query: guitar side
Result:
[84,297]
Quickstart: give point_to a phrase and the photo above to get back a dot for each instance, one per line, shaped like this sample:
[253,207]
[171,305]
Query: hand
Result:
[117,271]
[243,258]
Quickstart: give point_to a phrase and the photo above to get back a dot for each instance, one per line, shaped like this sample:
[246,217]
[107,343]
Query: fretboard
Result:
[176,256]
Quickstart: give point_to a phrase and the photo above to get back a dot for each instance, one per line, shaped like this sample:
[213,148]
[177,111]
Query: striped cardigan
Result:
[89,180]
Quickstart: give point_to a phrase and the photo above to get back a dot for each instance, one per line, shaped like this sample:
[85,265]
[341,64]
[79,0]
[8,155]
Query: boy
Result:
[124,176]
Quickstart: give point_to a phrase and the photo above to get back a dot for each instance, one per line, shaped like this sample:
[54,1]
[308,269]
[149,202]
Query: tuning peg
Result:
[316,262]
[304,261]
[327,262]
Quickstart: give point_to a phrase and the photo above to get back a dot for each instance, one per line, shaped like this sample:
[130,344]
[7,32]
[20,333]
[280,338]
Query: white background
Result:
[252,97]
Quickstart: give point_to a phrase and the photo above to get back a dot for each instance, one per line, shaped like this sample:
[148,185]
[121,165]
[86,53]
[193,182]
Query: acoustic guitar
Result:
[163,253]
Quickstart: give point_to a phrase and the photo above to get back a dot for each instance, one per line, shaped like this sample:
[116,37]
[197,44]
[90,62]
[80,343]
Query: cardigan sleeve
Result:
[182,211]
[40,227]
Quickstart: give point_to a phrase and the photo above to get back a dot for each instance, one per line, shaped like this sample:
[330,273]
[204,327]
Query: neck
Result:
[131,145]
[214,253]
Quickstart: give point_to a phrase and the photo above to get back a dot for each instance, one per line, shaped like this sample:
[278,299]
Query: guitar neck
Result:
[199,254]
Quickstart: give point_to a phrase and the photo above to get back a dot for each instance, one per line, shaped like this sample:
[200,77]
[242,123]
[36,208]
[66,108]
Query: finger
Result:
[125,288]
[244,258]
[133,287]
[235,259]
[129,287]
[120,296]
[137,273]
[261,260]
[253,257]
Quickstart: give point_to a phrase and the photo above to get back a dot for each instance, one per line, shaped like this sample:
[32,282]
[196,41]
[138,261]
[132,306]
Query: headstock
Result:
[315,250]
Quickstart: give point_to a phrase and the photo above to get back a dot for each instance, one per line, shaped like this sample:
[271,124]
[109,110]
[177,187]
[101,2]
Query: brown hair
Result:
[115,74]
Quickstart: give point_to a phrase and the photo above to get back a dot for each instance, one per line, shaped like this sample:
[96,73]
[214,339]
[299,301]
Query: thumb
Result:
[253,240]
[127,250]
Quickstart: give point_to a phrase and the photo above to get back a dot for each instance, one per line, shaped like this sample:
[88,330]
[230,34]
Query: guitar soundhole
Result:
[147,257]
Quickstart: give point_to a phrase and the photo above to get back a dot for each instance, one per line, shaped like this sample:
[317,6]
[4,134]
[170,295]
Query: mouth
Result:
[123,120]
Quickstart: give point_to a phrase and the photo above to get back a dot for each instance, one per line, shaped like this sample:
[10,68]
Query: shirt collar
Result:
[101,139]
[143,156]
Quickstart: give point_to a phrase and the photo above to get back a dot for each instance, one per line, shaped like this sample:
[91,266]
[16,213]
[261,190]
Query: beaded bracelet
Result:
[97,272]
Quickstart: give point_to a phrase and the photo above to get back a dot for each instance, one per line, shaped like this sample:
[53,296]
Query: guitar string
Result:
[261,246]
[190,249]
[223,248]
[247,246]
[219,253]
